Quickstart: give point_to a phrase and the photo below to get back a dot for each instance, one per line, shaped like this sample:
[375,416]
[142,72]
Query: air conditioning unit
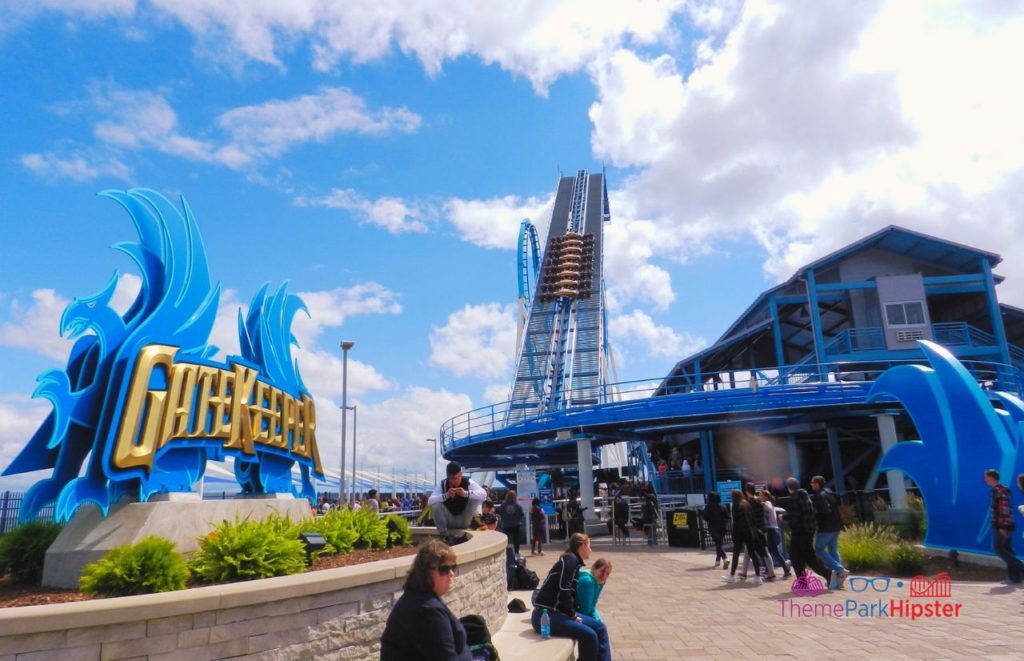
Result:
[909,335]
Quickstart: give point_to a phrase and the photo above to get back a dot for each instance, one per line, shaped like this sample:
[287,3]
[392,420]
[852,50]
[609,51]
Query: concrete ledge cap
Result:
[101,612]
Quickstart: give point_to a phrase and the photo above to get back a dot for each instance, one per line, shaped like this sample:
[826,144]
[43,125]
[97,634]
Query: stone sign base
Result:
[181,518]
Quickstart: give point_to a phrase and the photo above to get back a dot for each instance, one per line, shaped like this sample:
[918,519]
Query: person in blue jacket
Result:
[420,626]
[589,585]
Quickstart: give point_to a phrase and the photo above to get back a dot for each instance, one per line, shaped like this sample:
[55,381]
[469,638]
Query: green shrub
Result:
[152,565]
[399,533]
[867,546]
[250,549]
[872,531]
[906,559]
[372,531]
[23,550]
[338,529]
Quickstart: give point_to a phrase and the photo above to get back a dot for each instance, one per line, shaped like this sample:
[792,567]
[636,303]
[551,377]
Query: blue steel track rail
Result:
[482,432]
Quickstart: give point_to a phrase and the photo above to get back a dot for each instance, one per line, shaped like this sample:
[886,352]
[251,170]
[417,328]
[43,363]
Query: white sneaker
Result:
[841,578]
[729,578]
[757,580]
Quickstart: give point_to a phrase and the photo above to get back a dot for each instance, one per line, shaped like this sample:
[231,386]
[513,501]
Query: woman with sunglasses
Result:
[420,625]
[557,595]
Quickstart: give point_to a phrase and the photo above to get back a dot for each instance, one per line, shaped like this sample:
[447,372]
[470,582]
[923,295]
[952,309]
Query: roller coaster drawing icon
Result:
[923,588]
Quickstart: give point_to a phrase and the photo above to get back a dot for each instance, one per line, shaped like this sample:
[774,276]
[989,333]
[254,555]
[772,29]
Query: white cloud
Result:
[36,325]
[393,432]
[329,308]
[496,392]
[658,341]
[74,166]
[536,39]
[532,38]
[19,419]
[133,120]
[806,127]
[494,223]
[478,340]
[268,129]
[391,213]
[630,129]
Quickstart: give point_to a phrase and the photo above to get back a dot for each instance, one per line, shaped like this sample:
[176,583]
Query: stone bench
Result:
[517,641]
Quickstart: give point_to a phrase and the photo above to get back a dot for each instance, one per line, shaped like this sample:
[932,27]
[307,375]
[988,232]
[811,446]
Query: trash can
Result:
[682,527]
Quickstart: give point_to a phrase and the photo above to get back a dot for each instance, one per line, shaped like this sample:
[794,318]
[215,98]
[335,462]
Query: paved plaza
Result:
[669,603]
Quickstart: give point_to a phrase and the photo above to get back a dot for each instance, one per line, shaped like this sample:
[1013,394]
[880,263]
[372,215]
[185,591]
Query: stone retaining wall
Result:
[337,614]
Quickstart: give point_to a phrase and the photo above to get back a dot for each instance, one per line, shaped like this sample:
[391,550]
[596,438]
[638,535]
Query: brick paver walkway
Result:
[668,603]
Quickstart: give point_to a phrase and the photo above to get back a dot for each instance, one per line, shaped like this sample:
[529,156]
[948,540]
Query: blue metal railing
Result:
[822,384]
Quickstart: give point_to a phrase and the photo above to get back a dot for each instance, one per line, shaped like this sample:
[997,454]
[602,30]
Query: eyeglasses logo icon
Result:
[876,583]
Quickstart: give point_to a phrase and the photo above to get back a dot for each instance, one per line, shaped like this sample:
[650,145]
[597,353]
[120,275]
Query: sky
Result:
[380,156]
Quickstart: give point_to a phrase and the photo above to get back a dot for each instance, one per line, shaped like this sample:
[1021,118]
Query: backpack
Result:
[478,638]
[523,578]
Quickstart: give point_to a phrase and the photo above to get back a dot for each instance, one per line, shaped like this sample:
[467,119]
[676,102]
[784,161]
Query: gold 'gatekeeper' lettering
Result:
[206,402]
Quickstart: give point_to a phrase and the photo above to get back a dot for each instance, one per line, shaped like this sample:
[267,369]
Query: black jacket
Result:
[715,516]
[558,591]
[757,521]
[800,515]
[421,627]
[826,509]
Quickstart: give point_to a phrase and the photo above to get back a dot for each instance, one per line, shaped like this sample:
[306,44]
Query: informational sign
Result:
[526,491]
[547,501]
[725,488]
[679,519]
[140,406]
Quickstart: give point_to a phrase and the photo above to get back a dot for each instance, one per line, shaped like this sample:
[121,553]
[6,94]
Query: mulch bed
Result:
[19,595]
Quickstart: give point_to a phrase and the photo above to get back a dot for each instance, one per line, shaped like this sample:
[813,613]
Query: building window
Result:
[904,314]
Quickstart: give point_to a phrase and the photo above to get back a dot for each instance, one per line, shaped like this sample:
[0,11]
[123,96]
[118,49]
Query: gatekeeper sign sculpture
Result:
[140,405]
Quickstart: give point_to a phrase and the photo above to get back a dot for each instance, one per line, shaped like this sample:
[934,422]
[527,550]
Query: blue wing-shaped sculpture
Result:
[962,434]
[266,340]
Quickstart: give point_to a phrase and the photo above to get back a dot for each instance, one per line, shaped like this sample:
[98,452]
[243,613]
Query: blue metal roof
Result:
[947,255]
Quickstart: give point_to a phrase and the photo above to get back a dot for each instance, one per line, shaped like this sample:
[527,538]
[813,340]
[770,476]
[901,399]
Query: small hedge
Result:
[905,559]
[152,565]
[242,550]
[338,531]
[23,551]
[372,530]
[399,532]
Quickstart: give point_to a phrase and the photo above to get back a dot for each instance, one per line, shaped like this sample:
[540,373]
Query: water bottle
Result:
[545,625]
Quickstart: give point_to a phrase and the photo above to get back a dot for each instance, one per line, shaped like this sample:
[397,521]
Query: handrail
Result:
[748,388]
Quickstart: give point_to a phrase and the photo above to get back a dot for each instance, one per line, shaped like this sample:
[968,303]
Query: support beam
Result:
[794,456]
[812,304]
[838,474]
[780,355]
[707,454]
[998,330]
[897,488]
[585,458]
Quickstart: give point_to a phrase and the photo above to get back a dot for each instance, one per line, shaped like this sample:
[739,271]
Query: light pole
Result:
[355,438]
[345,346]
[434,441]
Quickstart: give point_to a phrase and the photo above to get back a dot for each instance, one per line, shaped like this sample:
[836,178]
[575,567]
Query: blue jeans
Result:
[718,536]
[1003,545]
[590,634]
[826,546]
[775,547]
